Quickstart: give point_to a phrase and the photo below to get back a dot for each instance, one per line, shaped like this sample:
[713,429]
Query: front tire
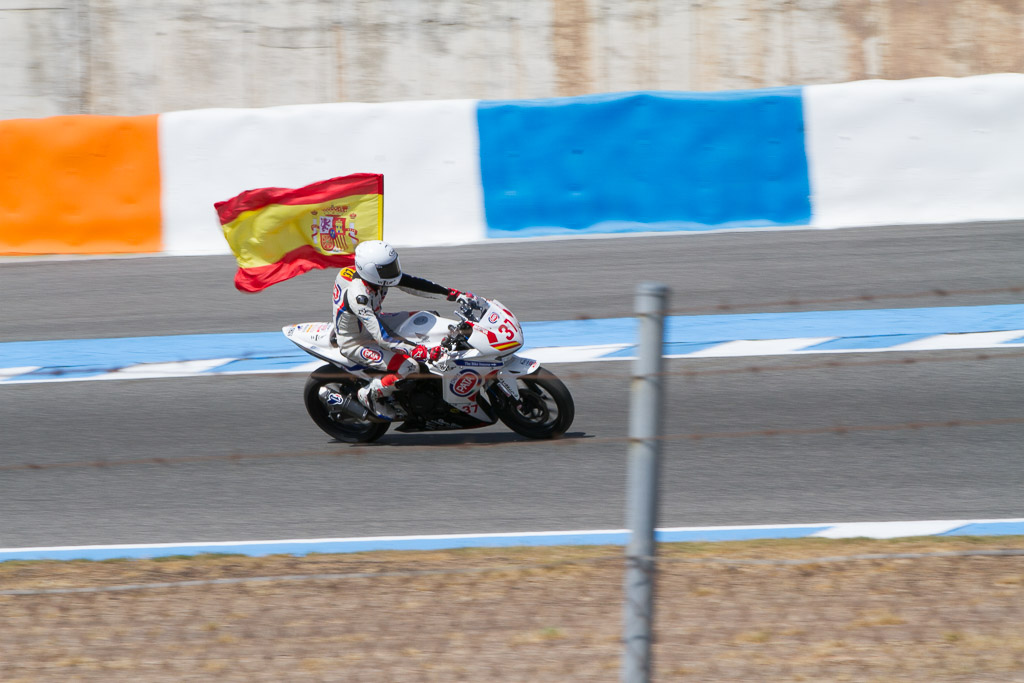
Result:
[341,427]
[547,409]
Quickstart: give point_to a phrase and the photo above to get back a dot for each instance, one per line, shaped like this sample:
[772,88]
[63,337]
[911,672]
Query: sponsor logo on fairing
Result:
[372,355]
[479,363]
[465,383]
[493,318]
[316,328]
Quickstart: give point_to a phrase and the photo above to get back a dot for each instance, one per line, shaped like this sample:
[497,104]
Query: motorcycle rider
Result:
[365,335]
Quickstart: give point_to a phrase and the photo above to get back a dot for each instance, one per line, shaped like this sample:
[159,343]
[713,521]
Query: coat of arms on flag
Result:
[278,233]
[335,233]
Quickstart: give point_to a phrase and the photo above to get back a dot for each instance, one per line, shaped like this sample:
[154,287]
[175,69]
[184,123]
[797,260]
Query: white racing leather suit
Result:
[365,334]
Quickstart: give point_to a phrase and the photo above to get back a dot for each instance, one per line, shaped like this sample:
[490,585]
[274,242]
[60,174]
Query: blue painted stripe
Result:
[642,161]
[578,332]
[617,537]
[131,350]
[349,545]
[694,329]
[856,323]
[862,329]
[988,529]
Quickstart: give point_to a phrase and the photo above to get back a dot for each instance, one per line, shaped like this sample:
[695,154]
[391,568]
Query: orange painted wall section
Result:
[80,185]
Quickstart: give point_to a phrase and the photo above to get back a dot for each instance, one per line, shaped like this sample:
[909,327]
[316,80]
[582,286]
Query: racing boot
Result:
[375,396]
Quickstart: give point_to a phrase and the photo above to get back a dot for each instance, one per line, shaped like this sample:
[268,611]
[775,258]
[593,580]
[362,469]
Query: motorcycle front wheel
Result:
[546,410]
[342,427]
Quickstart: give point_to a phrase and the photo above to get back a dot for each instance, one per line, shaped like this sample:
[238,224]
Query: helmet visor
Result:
[389,271]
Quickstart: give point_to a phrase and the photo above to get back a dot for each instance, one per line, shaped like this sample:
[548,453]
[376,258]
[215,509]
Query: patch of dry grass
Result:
[533,614]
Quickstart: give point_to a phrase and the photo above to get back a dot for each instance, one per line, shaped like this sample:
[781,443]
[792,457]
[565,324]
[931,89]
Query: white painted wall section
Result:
[427,151]
[928,150]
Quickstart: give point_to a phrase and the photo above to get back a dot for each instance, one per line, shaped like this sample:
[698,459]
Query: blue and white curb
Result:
[877,530]
[573,341]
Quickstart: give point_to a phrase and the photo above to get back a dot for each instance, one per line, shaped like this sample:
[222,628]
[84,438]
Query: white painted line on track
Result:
[759,347]
[966,340]
[303,368]
[574,354]
[891,529]
[186,368]
[14,372]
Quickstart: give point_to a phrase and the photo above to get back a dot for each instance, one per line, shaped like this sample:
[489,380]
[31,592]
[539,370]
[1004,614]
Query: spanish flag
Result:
[277,233]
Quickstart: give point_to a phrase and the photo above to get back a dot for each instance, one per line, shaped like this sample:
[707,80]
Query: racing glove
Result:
[454,294]
[432,354]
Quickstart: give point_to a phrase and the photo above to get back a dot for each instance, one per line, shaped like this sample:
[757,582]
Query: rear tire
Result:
[341,427]
[547,409]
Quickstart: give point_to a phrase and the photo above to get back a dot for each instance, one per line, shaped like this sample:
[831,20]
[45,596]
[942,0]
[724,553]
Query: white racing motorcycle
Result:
[478,382]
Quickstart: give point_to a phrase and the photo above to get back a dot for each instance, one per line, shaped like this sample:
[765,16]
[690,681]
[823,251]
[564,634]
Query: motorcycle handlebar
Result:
[457,334]
[469,304]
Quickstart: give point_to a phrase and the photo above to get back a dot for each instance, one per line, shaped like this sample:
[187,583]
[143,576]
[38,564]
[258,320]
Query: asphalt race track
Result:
[236,458]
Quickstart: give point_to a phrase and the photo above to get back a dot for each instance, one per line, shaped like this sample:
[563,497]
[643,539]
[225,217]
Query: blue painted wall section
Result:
[644,161]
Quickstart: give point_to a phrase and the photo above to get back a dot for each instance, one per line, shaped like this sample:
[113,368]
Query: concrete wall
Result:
[134,57]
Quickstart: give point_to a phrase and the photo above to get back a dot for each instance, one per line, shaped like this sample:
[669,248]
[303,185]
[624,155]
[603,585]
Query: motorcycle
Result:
[477,381]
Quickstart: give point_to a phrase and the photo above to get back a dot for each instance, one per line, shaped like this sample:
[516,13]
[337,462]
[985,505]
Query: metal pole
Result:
[642,489]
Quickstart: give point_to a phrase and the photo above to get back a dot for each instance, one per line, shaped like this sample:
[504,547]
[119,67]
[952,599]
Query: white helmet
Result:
[377,263]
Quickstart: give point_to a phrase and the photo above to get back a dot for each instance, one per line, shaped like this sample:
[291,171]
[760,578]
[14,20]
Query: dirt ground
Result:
[525,614]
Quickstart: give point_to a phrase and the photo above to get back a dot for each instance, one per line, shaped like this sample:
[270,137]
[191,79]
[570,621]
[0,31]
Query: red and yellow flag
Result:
[278,233]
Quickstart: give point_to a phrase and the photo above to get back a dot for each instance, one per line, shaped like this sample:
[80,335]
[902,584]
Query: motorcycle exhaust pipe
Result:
[339,403]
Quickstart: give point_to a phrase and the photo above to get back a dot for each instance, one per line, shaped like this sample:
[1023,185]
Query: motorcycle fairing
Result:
[315,339]
[514,367]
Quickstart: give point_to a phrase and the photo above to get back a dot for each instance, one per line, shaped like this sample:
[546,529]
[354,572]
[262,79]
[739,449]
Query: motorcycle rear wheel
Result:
[341,427]
[547,408]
